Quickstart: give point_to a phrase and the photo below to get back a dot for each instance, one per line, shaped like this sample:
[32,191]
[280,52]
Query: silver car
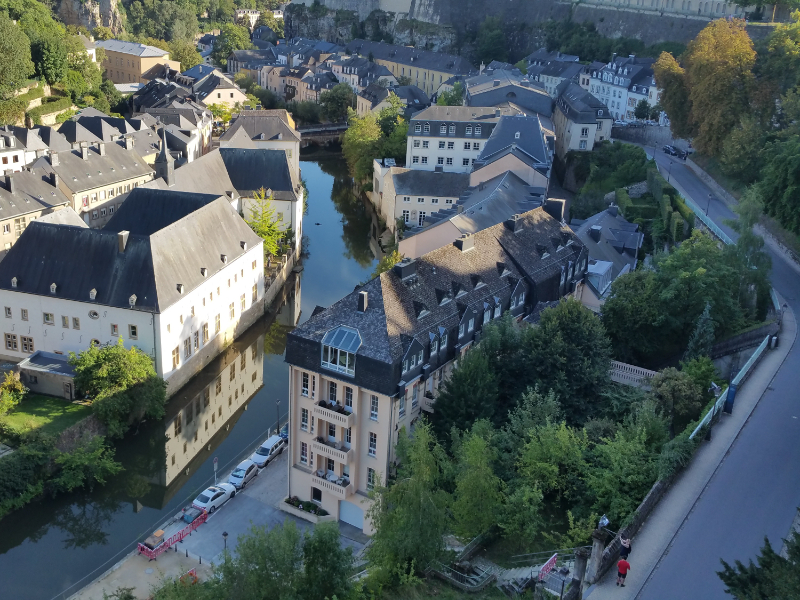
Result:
[267,451]
[242,474]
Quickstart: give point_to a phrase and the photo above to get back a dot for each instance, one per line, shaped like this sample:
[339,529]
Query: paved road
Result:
[755,491]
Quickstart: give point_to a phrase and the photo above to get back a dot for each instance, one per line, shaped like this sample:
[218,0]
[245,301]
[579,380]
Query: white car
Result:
[267,451]
[214,497]
[242,474]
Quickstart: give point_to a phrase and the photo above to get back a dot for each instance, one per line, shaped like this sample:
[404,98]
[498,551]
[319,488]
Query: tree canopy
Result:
[15,48]
[770,576]
[336,101]
[231,37]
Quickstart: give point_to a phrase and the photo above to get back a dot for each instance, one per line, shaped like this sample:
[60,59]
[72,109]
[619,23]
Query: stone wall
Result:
[89,427]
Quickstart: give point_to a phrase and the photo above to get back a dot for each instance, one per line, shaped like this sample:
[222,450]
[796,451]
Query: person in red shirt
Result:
[623,566]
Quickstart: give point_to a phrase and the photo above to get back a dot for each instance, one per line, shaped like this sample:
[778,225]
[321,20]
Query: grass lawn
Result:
[436,588]
[46,414]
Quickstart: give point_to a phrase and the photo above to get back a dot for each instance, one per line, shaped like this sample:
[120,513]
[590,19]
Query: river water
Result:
[51,548]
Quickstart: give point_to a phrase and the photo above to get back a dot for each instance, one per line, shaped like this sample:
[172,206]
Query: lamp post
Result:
[278,411]
[708,205]
[225,539]
[669,169]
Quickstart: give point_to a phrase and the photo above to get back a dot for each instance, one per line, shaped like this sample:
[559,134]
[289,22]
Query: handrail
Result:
[547,553]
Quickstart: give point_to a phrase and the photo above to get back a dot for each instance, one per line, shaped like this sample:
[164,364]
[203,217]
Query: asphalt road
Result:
[756,490]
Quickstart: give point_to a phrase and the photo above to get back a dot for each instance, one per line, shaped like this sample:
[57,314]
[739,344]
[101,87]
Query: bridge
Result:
[321,133]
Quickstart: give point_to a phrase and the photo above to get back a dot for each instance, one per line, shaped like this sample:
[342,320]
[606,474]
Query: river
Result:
[52,547]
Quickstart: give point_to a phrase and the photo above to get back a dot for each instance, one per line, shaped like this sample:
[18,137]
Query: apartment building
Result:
[426,70]
[496,87]
[269,129]
[364,368]
[360,72]
[127,62]
[451,137]
[580,120]
[176,275]
[623,83]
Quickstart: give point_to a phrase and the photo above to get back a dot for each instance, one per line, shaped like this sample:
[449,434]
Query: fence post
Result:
[598,545]
[579,572]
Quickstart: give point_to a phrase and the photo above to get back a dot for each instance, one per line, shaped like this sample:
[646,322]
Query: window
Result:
[497,310]
[196,337]
[441,145]
[303,453]
[406,216]
[332,391]
[48,318]
[469,130]
[584,132]
[466,145]
[331,435]
[205,333]
[403,404]
[451,145]
[232,372]
[417,128]
[452,129]
[339,347]
[420,200]
[218,386]
[434,201]
[76,323]
[424,160]
[465,162]
[348,398]
[187,348]
[582,145]
[231,309]
[304,419]
[444,341]
[421,218]
[415,159]
[443,129]
[487,315]
[133,332]
[304,384]
[373,407]
[448,201]
[255,292]
[176,359]
[8,312]
[427,128]
[471,324]
[449,160]
[27,344]
[477,130]
[416,142]
[476,146]
[6,229]
[425,144]
[348,436]
[461,330]
[24,313]
[370,479]
[11,341]
[373,444]
[114,328]
[216,325]
[440,160]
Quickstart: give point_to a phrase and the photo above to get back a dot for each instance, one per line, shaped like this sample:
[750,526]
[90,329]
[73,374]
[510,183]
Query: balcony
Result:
[427,401]
[335,451]
[334,413]
[336,489]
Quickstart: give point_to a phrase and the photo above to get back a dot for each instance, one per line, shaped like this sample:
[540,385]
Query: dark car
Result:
[668,149]
[284,433]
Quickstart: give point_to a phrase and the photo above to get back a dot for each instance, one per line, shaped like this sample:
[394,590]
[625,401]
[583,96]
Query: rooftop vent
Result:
[180,288]
[13,282]
[362,301]
[53,287]
[224,258]
[92,294]
[132,300]
[243,245]
[594,232]
[465,242]
[203,271]
[122,240]
[514,223]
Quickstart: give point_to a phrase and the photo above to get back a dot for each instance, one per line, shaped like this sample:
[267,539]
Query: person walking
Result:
[625,548]
[623,566]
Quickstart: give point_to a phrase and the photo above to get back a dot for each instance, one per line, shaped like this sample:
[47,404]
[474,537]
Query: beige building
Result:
[580,120]
[127,62]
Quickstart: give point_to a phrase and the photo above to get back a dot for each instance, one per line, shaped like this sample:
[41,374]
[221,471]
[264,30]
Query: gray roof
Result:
[130,48]
[578,105]
[239,139]
[520,133]
[629,70]
[260,126]
[414,182]
[412,95]
[426,59]
[502,87]
[251,169]
[65,216]
[545,56]
[461,116]
[175,242]
[33,191]
[48,362]
[55,141]
[118,164]
[566,70]
[28,138]
[75,132]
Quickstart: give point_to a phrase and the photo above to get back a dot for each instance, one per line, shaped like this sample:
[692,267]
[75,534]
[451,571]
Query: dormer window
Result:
[434,346]
[461,330]
[427,128]
[477,130]
[452,129]
[92,294]
[13,282]
[417,128]
[132,300]
[339,347]
[443,129]
[468,130]
[53,288]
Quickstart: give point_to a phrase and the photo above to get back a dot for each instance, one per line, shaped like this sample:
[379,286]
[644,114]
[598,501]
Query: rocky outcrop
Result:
[91,13]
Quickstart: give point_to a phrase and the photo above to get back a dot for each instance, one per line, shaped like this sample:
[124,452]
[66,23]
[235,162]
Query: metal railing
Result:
[712,227]
[153,553]
[465,581]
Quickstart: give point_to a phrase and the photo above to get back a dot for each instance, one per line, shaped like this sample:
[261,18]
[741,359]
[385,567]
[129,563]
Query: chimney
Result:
[613,209]
[101,148]
[497,112]
[514,223]
[54,179]
[122,240]
[594,233]
[128,143]
[465,242]
[84,152]
[54,159]
[10,181]
[496,83]
[405,268]
[362,302]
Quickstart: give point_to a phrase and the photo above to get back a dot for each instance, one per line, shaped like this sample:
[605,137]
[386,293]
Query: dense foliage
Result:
[265,224]
[772,575]
[374,135]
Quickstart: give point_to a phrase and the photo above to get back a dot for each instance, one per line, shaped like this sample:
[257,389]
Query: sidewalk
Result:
[656,535]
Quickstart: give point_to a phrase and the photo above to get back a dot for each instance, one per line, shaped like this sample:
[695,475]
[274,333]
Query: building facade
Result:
[623,83]
[127,62]
[580,120]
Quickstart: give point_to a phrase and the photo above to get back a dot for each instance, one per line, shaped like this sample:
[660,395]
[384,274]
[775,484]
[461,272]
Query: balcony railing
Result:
[329,450]
[339,491]
[331,415]
[427,401]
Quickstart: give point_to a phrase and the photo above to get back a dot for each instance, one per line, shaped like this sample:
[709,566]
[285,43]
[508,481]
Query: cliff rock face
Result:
[90,13]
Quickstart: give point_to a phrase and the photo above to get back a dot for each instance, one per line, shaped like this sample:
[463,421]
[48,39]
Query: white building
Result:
[177,275]
[623,83]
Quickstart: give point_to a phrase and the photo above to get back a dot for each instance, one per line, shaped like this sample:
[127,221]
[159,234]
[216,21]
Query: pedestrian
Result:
[623,566]
[625,548]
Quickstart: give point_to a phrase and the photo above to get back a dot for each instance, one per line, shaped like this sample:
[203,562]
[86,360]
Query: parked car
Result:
[284,433]
[267,451]
[242,474]
[214,497]
[668,149]
[619,123]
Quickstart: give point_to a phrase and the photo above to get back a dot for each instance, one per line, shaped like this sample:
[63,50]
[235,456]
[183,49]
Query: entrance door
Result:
[351,514]
[68,391]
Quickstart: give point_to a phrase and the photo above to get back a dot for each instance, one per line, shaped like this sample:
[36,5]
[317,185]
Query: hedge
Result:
[685,212]
[47,108]
[12,111]
[623,201]
[646,212]
[32,94]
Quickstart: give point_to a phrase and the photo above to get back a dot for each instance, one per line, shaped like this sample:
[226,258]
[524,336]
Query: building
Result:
[47,373]
[580,120]
[249,15]
[364,368]
[176,275]
[270,129]
[201,84]
[493,88]
[478,208]
[613,245]
[251,59]
[427,70]
[189,121]
[551,75]
[623,83]
[24,197]
[450,137]
[126,62]
[12,154]
[375,97]
[543,56]
[413,194]
[518,144]
[359,72]
[92,176]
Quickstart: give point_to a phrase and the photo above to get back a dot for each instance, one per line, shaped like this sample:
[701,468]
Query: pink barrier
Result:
[153,553]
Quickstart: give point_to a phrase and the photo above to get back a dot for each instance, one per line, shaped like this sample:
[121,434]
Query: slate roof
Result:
[502,86]
[578,105]
[55,141]
[75,132]
[47,362]
[412,96]
[130,48]
[460,116]
[28,138]
[517,132]
[566,70]
[199,71]
[414,182]
[424,59]
[544,56]
[261,126]
[618,241]
[629,70]
[78,259]
[33,191]
[65,216]
[252,169]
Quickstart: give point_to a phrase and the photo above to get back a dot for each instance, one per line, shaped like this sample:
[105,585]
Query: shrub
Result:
[624,202]
[675,455]
[12,111]
[47,108]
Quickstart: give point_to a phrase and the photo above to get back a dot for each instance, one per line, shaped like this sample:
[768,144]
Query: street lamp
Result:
[225,539]
[669,169]
[278,411]
[709,203]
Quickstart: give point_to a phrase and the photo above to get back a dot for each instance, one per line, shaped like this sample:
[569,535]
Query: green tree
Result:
[386,263]
[326,564]
[492,41]
[360,144]
[675,99]
[276,25]
[702,371]
[90,463]
[772,575]
[75,85]
[630,314]
[702,337]
[741,155]
[642,110]
[50,59]
[468,395]
[16,65]
[264,222]
[552,459]
[478,494]
[678,396]
[102,33]
[231,37]
[521,517]
[336,101]
[184,52]
[454,97]
[522,66]
[410,516]
[122,384]
[570,354]
[12,391]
